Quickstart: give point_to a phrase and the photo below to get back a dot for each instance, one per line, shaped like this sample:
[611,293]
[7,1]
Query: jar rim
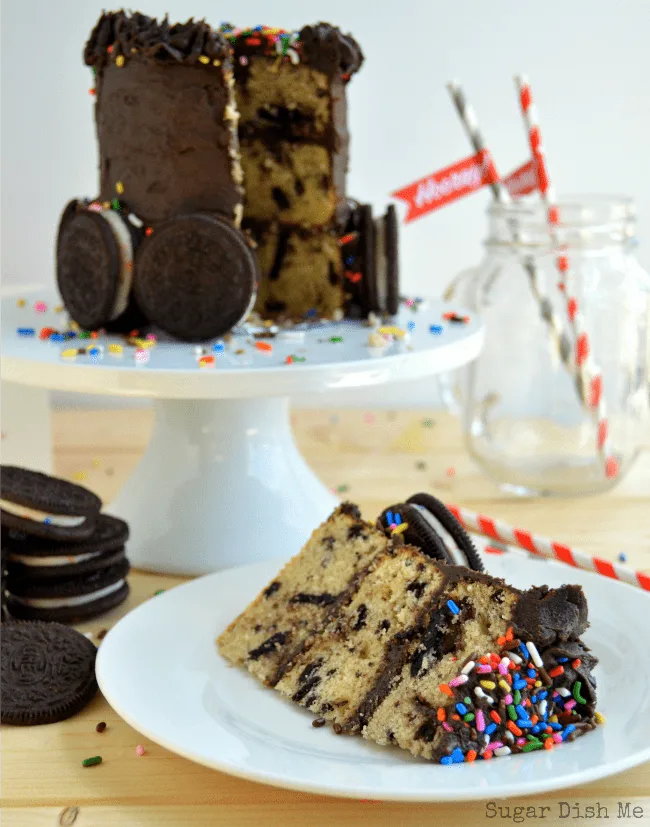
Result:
[573,209]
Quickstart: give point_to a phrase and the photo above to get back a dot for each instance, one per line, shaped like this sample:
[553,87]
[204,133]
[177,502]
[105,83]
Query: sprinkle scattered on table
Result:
[455,318]
[140,750]
[92,762]
[101,726]
[489,549]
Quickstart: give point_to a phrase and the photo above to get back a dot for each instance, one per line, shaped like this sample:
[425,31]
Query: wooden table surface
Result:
[373,458]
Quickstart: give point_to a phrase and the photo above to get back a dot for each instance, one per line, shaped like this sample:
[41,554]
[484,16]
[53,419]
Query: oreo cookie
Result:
[44,506]
[418,531]
[94,263]
[68,600]
[367,254]
[195,276]
[47,673]
[391,254]
[38,558]
[423,515]
[435,512]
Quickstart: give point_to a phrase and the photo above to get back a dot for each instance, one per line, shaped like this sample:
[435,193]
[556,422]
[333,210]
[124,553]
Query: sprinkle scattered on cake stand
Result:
[222,448]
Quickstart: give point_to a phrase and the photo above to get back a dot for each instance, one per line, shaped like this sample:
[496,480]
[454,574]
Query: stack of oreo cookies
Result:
[62,560]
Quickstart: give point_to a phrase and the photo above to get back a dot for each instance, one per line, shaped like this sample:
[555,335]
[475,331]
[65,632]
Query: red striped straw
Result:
[543,547]
[589,376]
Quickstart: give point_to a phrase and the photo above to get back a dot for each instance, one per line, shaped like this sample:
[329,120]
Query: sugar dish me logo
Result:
[573,812]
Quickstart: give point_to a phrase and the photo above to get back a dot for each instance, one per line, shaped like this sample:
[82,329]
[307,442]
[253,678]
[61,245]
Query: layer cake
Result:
[438,659]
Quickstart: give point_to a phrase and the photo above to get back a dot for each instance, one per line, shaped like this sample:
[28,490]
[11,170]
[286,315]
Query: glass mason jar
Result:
[557,402]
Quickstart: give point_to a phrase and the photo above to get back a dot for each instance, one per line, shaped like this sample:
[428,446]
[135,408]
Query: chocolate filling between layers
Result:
[435,636]
[333,602]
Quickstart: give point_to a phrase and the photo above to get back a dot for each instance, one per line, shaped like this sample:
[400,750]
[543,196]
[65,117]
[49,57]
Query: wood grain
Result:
[374,459]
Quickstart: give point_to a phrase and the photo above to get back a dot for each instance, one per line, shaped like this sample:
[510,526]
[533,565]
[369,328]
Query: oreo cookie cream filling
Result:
[69,600]
[59,560]
[41,516]
[125,275]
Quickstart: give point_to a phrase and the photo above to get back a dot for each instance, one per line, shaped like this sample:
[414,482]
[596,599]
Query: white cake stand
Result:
[222,482]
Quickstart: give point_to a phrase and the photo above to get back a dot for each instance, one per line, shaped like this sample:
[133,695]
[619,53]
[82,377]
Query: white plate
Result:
[160,670]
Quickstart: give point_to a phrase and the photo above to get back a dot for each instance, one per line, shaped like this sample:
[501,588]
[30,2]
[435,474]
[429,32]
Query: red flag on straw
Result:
[523,180]
[447,185]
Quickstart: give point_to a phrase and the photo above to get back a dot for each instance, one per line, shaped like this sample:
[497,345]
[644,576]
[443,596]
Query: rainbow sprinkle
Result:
[535,715]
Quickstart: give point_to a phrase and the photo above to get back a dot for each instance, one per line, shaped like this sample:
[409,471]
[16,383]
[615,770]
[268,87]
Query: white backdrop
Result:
[588,61]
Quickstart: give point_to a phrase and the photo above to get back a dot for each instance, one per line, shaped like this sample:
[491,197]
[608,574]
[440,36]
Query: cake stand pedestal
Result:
[222,482]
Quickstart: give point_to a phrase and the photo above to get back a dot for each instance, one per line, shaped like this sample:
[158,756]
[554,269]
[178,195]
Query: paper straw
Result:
[470,123]
[543,547]
[589,376]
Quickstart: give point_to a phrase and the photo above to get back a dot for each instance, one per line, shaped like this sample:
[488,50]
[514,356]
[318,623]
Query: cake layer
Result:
[165,115]
[363,639]
[266,636]
[301,272]
[291,102]
[289,182]
[291,88]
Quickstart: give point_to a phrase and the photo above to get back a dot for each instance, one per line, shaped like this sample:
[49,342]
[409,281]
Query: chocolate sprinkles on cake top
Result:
[395,642]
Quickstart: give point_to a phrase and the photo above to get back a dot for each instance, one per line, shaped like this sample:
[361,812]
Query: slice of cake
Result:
[446,662]
[271,631]
[294,143]
[290,89]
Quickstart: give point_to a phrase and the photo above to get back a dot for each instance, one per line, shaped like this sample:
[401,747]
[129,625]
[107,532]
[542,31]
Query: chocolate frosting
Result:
[551,616]
[153,39]
[327,49]
[320,46]
[574,650]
